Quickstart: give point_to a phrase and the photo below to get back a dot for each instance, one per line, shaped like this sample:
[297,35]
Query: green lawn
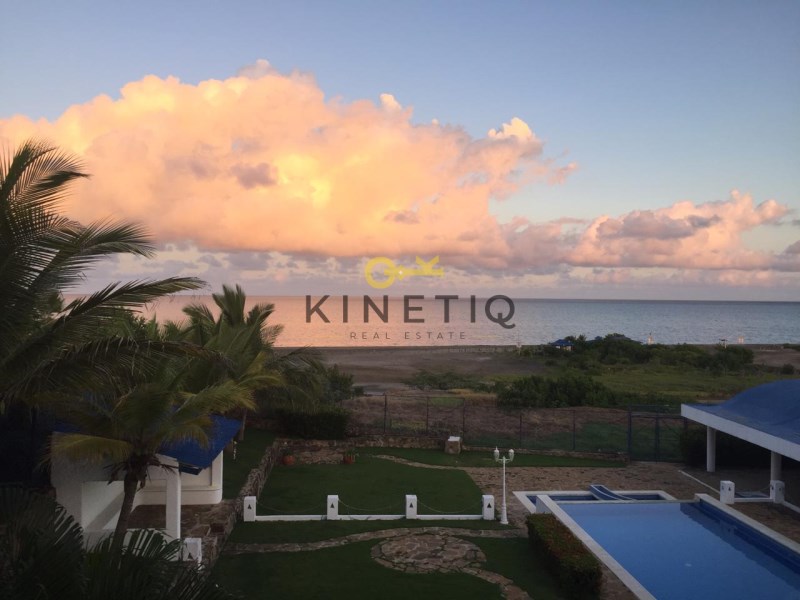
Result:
[370,486]
[484,459]
[248,454]
[679,384]
[343,572]
[516,560]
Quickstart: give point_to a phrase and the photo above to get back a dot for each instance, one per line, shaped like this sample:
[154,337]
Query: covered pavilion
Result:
[767,415]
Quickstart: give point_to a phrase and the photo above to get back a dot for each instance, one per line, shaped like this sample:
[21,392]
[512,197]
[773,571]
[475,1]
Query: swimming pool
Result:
[687,550]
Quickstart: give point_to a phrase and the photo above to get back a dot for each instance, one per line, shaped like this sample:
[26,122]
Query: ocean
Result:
[469,321]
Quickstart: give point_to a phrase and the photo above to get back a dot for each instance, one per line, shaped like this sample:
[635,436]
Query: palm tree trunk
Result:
[130,484]
[244,424]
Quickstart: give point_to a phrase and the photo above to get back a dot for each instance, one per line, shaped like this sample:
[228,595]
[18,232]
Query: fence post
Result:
[427,414]
[630,433]
[520,428]
[573,430]
[463,418]
[385,411]
[658,436]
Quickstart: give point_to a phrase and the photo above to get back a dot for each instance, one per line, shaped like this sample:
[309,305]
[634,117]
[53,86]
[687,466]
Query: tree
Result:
[43,557]
[126,424]
[42,255]
[247,341]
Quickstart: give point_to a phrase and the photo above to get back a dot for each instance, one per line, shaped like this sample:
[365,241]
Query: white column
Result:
[488,507]
[216,472]
[249,509]
[711,449]
[411,506]
[332,507]
[774,466]
[173,525]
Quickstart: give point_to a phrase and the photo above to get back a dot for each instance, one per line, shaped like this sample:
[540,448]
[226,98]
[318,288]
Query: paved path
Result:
[414,550]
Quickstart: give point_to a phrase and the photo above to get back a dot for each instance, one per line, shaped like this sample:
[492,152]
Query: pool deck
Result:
[636,476]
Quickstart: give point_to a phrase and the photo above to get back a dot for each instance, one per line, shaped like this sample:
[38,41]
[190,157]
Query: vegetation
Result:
[43,555]
[369,486]
[344,572]
[572,564]
[319,422]
[46,347]
[249,453]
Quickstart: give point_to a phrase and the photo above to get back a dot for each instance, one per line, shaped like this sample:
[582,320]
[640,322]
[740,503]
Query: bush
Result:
[319,423]
[565,557]
[731,451]
[787,369]
[569,389]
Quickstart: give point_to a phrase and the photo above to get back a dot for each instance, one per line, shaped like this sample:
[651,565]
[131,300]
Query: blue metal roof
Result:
[192,457]
[773,408]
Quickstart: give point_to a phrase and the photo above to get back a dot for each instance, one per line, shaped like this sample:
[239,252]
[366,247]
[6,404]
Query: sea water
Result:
[532,322]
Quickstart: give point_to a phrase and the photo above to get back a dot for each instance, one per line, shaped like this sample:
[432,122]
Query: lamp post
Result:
[504,460]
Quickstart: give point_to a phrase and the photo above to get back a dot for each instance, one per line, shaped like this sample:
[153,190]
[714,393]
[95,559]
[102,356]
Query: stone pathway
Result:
[414,550]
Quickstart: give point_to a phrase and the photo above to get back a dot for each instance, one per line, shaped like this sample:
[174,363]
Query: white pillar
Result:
[488,507]
[727,492]
[193,550]
[777,492]
[711,449]
[332,508]
[774,466]
[216,472]
[249,512]
[411,506]
[173,524]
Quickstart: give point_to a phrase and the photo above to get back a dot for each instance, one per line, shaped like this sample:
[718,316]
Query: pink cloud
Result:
[263,161]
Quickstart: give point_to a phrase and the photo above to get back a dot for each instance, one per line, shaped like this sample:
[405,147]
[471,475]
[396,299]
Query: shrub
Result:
[321,423]
[571,563]
[787,369]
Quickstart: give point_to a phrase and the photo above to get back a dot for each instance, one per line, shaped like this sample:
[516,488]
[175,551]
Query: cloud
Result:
[684,235]
[264,162]
[260,165]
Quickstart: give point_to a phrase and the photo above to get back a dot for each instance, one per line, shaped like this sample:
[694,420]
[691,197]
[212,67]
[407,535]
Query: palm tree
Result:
[42,255]
[247,340]
[126,425]
[43,557]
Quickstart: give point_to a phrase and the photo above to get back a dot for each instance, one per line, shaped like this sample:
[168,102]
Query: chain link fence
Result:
[642,432]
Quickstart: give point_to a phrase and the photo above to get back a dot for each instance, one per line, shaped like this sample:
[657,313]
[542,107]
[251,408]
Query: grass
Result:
[343,572]
[280,532]
[371,485]
[514,558]
[679,384]
[483,459]
[248,454]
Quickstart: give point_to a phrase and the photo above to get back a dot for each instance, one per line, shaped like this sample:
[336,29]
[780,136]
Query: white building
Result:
[85,492]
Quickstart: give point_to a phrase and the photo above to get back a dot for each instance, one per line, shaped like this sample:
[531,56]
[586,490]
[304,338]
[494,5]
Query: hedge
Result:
[319,423]
[565,557]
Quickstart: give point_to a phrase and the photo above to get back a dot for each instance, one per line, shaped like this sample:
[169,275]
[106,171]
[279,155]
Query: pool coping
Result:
[633,584]
[531,507]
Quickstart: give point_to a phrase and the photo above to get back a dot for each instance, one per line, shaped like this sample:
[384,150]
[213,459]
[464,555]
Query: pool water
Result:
[691,550]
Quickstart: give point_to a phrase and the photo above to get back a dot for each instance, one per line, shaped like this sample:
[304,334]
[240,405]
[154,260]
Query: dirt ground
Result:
[381,369]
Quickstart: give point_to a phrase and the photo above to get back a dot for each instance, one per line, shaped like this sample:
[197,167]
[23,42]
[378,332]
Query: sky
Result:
[540,149]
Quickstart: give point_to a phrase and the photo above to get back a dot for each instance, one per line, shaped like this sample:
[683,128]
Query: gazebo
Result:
[767,415]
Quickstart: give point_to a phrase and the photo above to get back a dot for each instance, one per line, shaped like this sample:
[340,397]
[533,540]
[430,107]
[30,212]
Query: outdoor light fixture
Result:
[504,460]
